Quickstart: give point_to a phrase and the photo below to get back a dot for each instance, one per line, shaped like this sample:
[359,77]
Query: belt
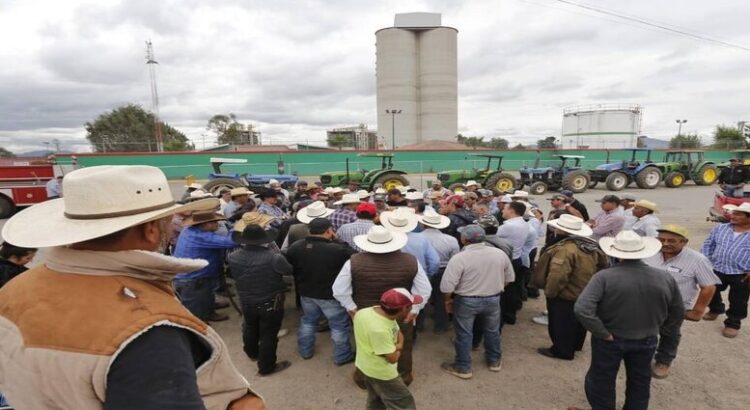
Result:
[488,296]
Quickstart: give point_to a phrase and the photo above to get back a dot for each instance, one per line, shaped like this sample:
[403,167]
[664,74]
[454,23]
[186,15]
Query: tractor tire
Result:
[707,175]
[538,188]
[391,180]
[592,183]
[457,187]
[576,181]
[674,180]
[7,208]
[648,178]
[501,183]
[213,186]
[616,181]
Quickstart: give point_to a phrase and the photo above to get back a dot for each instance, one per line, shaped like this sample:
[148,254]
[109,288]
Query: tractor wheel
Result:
[616,181]
[576,181]
[501,183]
[538,188]
[648,178]
[213,186]
[391,180]
[6,207]
[674,180]
[592,183]
[707,175]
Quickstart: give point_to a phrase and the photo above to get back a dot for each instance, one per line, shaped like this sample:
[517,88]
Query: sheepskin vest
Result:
[373,274]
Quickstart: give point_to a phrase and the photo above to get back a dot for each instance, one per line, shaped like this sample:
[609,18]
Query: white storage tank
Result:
[600,126]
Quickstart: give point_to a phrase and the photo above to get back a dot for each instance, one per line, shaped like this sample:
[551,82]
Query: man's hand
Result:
[400,341]
[609,338]
[694,315]
[591,223]
[247,402]
[448,305]
[747,277]
[411,317]
[352,313]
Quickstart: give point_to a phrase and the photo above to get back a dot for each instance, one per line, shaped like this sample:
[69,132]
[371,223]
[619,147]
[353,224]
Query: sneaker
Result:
[217,317]
[710,316]
[280,366]
[660,370]
[495,367]
[282,333]
[541,320]
[730,332]
[450,369]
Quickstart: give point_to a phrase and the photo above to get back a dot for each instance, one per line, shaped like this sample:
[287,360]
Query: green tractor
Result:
[742,154]
[489,177]
[386,176]
[683,165]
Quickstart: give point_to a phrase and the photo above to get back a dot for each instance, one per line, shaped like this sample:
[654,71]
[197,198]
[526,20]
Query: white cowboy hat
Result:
[362,194]
[336,190]
[471,183]
[433,219]
[743,207]
[316,209]
[380,240]
[194,185]
[572,225]
[198,194]
[414,196]
[643,203]
[348,199]
[273,181]
[240,191]
[380,191]
[519,194]
[630,245]
[399,220]
[505,199]
[95,206]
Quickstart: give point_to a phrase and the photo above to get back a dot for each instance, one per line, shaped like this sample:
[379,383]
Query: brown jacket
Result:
[566,267]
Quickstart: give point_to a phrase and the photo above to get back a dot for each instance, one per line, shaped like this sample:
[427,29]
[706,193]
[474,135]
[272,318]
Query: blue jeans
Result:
[197,295]
[338,320]
[605,364]
[465,311]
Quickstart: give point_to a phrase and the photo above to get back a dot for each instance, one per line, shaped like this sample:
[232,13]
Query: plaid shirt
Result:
[342,216]
[347,232]
[728,253]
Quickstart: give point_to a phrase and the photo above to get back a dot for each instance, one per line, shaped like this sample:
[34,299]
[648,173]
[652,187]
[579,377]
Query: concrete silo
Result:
[601,126]
[417,73]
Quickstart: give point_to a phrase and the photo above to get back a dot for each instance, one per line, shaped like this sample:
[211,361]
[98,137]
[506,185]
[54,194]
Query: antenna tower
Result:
[151,62]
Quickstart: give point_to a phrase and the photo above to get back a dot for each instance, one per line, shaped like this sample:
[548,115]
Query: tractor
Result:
[565,176]
[620,174]
[682,165]
[489,177]
[255,183]
[385,176]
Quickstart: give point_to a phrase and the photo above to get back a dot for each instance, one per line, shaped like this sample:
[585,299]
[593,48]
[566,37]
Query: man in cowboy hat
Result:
[446,247]
[190,188]
[299,231]
[269,200]
[366,213]
[145,348]
[624,307]
[471,288]
[396,197]
[258,273]
[317,260]
[406,221]
[380,344]
[472,186]
[696,280]
[240,196]
[728,249]
[199,241]
[380,267]
[347,211]
[646,223]
[563,270]
[437,187]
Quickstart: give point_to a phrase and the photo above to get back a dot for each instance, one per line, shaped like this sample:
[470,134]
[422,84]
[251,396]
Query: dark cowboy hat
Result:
[269,193]
[254,235]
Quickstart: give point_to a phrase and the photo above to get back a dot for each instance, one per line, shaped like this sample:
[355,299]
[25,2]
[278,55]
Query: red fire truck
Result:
[24,184]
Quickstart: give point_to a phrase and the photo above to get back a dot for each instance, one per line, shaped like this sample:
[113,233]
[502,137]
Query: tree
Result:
[519,147]
[338,141]
[547,142]
[4,153]
[474,142]
[729,137]
[131,129]
[497,143]
[685,141]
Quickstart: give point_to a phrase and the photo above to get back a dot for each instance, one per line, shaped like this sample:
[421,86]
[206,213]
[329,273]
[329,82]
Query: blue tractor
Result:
[255,183]
[618,175]
[565,175]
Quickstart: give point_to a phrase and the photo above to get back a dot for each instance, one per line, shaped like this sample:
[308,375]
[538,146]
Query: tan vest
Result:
[373,274]
[60,333]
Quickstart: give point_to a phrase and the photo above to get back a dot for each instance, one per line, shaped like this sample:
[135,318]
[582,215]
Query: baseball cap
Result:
[558,196]
[472,233]
[628,197]
[567,193]
[486,221]
[397,298]
[609,198]
[319,225]
[367,207]
[675,229]
[505,199]
[455,199]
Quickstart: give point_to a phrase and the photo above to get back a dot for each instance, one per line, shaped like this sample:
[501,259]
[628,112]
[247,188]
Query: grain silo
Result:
[601,126]
[417,74]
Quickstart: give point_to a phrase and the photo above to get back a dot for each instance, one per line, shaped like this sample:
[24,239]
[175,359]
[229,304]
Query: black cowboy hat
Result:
[254,234]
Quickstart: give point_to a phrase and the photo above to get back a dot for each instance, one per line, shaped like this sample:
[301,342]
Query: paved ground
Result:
[709,372]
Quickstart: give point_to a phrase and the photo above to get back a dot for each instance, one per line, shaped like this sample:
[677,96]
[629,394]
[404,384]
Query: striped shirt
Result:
[608,223]
[272,210]
[341,217]
[690,269]
[729,252]
[348,231]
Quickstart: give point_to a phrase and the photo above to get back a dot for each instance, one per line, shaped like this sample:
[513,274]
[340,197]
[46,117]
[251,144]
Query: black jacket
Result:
[258,272]
[734,175]
[461,217]
[317,261]
[578,206]
[8,271]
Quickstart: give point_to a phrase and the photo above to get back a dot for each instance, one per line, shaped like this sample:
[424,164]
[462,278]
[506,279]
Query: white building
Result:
[600,126]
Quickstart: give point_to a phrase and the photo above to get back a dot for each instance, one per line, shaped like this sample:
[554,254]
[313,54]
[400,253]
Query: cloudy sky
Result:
[295,68]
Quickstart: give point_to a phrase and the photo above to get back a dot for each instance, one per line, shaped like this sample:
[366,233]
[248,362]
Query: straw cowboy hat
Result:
[380,240]
[433,219]
[198,194]
[95,206]
[253,218]
[316,209]
[240,191]
[471,182]
[414,196]
[194,185]
[399,220]
[743,207]
[630,245]
[380,191]
[362,194]
[572,225]
[675,229]
[519,194]
[647,204]
[348,199]
[200,217]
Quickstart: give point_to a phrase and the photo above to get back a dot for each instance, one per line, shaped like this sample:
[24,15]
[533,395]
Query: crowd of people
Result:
[376,269]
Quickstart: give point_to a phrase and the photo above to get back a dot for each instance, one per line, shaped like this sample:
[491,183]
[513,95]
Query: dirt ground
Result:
[710,371]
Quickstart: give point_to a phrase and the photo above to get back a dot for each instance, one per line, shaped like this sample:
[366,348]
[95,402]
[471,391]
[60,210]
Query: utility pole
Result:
[393,127]
[151,62]
[679,126]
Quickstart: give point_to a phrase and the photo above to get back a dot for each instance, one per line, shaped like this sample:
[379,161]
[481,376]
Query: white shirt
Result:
[445,245]
[647,225]
[515,230]
[691,269]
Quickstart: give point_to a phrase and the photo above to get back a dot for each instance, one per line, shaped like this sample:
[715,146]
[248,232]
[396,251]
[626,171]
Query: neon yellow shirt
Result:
[375,335]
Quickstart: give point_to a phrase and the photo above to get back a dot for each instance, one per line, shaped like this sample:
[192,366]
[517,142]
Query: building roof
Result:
[438,145]
[250,148]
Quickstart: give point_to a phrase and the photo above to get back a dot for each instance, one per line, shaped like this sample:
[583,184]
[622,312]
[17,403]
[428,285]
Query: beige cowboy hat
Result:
[414,196]
[400,220]
[98,201]
[316,209]
[433,219]
[194,185]
[471,183]
[197,195]
[743,207]
[380,191]
[362,194]
[250,218]
[630,245]
[519,194]
[380,240]
[348,199]
[572,225]
[240,191]
[643,203]
[200,217]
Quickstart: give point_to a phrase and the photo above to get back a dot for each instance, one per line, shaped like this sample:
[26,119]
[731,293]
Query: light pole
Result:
[679,126]
[393,127]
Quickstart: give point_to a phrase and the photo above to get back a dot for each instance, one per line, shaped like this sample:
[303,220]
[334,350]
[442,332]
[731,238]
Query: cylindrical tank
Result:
[601,126]
[438,80]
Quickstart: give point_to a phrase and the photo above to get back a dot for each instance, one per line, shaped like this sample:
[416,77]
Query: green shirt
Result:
[375,335]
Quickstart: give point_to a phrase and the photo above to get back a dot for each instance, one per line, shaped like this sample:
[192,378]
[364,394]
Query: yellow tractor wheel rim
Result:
[677,180]
[391,183]
[709,175]
[504,185]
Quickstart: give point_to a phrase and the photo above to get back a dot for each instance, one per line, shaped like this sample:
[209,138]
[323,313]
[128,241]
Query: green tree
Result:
[728,137]
[460,139]
[4,153]
[685,141]
[519,147]
[474,142]
[497,143]
[547,142]
[131,129]
[338,141]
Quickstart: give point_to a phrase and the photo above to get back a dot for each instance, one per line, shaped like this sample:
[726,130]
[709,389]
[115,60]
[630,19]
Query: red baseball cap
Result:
[399,297]
[455,199]
[368,208]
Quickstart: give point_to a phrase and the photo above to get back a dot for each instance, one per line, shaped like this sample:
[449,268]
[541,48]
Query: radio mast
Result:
[151,62]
